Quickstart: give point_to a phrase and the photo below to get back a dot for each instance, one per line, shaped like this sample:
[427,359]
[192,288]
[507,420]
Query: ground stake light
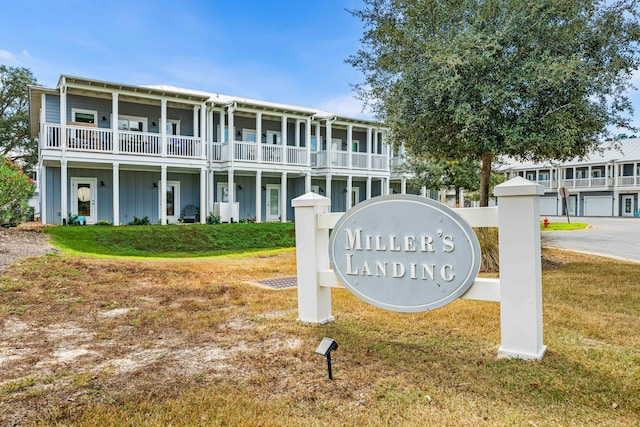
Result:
[324,349]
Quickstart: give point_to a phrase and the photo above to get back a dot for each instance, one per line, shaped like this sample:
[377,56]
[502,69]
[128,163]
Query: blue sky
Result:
[286,51]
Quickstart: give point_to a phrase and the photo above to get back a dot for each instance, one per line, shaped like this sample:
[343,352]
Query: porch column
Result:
[369,153]
[349,190]
[195,121]
[231,132]
[162,193]
[64,203]
[203,195]
[163,139]
[258,142]
[297,133]
[283,197]
[403,185]
[212,186]
[574,177]
[423,191]
[231,186]
[349,147]
[375,141]
[114,124]
[222,119]
[63,116]
[283,131]
[328,137]
[116,194]
[387,185]
[307,142]
[307,183]
[258,195]
[327,186]
[42,183]
[368,188]
[203,141]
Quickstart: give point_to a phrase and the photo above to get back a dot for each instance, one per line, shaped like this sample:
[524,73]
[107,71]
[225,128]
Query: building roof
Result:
[618,151]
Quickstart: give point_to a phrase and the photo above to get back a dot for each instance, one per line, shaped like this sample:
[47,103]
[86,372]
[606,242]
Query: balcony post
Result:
[63,116]
[283,130]
[203,141]
[307,142]
[163,143]
[349,148]
[114,124]
[369,151]
[297,133]
[258,141]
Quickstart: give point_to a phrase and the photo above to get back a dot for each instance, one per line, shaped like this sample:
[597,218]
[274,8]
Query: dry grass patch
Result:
[123,342]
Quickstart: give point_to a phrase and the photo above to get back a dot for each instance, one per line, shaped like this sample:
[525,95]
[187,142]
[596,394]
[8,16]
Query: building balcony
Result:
[99,140]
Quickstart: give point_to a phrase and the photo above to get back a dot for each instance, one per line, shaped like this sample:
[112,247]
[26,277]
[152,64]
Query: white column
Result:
[222,121]
[195,121]
[349,190]
[258,140]
[63,117]
[307,142]
[203,195]
[387,185]
[297,133]
[369,187]
[520,269]
[403,185]
[283,197]
[203,133]
[162,194]
[329,136]
[116,194]
[64,191]
[232,195]
[349,147]
[42,182]
[114,123]
[369,151]
[314,302]
[327,186]
[283,131]
[423,191]
[307,183]
[163,136]
[212,186]
[258,196]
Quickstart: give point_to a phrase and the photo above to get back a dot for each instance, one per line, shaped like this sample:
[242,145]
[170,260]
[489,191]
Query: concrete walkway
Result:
[617,238]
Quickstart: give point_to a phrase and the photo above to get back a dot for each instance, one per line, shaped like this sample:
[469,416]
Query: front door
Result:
[273,202]
[173,201]
[627,206]
[83,199]
[355,195]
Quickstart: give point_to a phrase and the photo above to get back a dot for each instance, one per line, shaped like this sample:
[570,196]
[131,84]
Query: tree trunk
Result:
[485,177]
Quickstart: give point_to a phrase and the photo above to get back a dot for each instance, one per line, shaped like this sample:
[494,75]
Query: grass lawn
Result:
[94,341]
[555,226]
[174,241]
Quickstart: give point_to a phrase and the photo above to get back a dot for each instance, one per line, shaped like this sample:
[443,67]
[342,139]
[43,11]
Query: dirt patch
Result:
[24,241]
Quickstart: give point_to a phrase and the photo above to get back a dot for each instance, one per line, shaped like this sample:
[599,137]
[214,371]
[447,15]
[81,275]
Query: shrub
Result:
[140,221]
[213,218]
[16,188]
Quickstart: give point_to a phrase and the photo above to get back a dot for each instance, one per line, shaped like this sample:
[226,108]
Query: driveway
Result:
[611,237]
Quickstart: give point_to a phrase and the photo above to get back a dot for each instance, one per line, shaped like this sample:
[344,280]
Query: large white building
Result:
[606,183]
[111,152]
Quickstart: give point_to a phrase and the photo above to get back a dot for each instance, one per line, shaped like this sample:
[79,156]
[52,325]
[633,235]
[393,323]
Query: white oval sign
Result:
[404,253]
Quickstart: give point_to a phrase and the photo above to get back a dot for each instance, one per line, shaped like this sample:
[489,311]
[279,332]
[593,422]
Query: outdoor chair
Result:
[190,214]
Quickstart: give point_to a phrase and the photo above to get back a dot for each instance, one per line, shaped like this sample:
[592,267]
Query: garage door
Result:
[598,205]
[548,206]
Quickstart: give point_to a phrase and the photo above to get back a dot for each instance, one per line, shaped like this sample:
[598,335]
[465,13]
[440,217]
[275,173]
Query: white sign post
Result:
[519,289]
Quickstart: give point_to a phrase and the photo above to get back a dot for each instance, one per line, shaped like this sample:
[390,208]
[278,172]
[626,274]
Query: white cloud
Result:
[12,59]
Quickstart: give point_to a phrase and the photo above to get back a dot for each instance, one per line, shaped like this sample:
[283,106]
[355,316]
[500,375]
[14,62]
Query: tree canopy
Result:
[530,79]
[15,140]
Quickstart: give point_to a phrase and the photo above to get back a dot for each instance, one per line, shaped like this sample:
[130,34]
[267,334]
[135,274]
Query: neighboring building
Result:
[112,152]
[606,183]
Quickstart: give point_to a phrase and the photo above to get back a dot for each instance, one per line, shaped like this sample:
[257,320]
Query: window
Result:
[355,146]
[84,116]
[133,124]
[274,137]
[249,135]
[173,127]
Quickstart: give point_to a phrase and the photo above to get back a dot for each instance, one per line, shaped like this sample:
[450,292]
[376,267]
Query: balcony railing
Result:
[79,138]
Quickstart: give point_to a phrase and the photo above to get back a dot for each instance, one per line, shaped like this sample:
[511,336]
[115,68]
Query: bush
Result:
[213,218]
[16,188]
[140,221]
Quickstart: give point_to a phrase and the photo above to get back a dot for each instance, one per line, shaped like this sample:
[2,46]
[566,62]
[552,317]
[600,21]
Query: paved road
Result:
[611,237]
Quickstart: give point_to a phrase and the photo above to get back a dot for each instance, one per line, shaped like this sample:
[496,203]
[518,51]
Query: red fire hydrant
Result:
[546,222]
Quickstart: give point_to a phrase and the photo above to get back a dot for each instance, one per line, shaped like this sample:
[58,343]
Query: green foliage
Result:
[140,221]
[439,173]
[213,218]
[534,80]
[15,139]
[16,188]
[173,242]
